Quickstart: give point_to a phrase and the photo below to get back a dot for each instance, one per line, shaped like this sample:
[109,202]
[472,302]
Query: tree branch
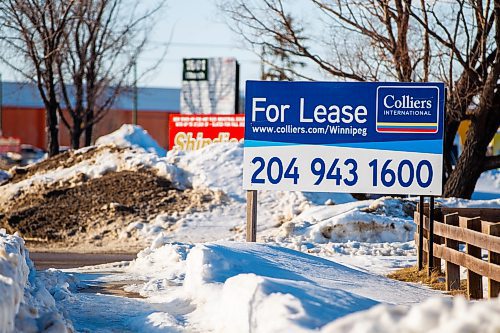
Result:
[491,162]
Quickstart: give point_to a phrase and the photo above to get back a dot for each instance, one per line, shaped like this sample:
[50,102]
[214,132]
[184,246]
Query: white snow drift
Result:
[241,287]
[436,315]
[25,304]
[132,136]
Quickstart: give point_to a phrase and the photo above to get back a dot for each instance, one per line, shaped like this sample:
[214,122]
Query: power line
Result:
[204,45]
[179,60]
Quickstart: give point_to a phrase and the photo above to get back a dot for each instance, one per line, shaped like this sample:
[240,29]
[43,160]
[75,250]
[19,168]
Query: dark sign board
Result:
[195,69]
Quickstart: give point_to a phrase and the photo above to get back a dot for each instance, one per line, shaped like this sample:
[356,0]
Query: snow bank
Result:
[13,277]
[382,220]
[132,136]
[59,284]
[105,160]
[160,264]
[436,315]
[143,153]
[25,303]
[464,203]
[241,287]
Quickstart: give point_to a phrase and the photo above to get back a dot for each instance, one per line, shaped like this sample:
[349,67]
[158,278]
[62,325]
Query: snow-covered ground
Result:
[319,265]
[240,287]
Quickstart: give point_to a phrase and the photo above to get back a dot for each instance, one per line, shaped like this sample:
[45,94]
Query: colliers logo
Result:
[411,109]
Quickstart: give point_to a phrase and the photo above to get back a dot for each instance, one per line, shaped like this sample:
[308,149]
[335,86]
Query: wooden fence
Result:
[477,229]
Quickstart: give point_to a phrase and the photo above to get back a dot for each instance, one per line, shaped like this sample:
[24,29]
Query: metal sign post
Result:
[430,258]
[421,234]
[251,216]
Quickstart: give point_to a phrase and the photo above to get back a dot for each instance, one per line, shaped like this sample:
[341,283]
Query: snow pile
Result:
[241,287]
[436,315]
[13,277]
[59,284]
[132,136]
[25,303]
[382,220]
[464,203]
[215,166]
[104,160]
[161,265]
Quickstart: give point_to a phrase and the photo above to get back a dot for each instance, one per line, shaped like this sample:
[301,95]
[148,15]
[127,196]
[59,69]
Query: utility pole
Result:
[136,97]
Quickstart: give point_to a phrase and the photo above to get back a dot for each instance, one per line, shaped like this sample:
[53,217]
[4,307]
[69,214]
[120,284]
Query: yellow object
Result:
[462,130]
[494,144]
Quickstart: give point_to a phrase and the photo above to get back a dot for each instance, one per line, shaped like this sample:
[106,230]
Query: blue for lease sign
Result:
[344,137]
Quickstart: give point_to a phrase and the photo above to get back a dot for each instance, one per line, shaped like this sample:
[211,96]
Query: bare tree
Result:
[368,40]
[33,32]
[277,64]
[379,40]
[473,42]
[79,54]
[103,41]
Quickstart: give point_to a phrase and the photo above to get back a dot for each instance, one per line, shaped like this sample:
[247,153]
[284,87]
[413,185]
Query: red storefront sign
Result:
[192,132]
[10,144]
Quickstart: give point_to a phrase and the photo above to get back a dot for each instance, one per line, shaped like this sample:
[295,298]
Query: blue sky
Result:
[195,28]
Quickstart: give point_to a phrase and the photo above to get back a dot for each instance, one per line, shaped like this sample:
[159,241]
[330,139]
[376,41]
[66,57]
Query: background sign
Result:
[209,86]
[344,137]
[192,132]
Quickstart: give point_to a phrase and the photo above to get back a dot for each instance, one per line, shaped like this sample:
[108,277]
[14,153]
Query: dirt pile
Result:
[92,214]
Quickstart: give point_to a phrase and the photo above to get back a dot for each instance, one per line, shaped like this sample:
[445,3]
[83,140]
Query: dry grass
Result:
[435,281]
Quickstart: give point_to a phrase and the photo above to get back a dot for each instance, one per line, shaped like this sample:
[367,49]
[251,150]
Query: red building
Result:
[23,114]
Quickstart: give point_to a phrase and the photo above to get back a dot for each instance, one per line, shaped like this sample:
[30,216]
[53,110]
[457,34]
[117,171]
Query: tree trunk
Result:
[463,179]
[89,128]
[76,133]
[451,128]
[52,130]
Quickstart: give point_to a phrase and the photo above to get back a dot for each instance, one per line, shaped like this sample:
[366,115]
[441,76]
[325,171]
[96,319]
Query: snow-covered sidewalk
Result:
[231,287]
[241,287]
